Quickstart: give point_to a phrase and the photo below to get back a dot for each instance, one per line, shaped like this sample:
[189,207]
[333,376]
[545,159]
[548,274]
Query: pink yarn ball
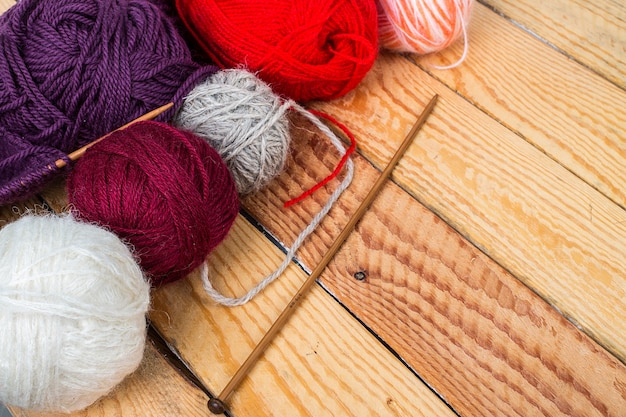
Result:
[421,26]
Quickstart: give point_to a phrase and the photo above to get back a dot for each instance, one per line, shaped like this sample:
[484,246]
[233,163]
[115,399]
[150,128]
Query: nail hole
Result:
[360,275]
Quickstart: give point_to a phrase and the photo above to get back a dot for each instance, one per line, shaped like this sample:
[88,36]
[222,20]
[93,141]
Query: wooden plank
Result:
[154,390]
[590,32]
[451,313]
[553,231]
[324,362]
[564,109]
[5,4]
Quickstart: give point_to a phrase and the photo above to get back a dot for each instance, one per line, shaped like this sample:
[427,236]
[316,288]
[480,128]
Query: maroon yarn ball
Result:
[165,192]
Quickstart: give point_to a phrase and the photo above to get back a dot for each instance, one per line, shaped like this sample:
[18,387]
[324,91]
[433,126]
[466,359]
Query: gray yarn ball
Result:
[244,120]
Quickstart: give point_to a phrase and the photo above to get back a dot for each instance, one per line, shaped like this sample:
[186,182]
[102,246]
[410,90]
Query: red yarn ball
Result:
[304,49]
[164,191]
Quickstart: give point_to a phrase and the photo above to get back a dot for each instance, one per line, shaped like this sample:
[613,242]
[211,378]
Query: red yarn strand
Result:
[337,169]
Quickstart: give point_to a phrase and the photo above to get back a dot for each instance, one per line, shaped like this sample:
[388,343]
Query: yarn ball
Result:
[304,49]
[73,303]
[421,26]
[73,70]
[244,120]
[163,191]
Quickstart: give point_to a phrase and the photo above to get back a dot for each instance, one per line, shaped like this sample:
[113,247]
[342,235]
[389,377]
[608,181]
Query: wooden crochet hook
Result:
[217,405]
[60,163]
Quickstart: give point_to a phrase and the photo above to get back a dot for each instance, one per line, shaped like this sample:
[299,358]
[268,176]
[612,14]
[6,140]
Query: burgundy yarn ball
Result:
[164,191]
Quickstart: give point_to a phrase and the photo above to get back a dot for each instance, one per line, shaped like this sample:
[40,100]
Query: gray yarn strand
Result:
[237,301]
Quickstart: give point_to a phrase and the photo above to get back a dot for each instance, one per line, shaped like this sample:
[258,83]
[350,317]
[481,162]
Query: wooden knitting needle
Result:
[217,405]
[60,163]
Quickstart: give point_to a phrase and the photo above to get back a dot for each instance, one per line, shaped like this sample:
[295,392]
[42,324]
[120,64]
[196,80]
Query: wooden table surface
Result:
[494,262]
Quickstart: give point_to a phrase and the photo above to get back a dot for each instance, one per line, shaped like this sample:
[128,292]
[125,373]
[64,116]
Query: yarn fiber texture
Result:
[304,49]
[23,168]
[72,311]
[73,70]
[163,191]
[245,121]
[422,26]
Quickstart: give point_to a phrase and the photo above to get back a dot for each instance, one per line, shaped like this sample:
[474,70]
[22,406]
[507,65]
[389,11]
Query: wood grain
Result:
[567,111]
[323,362]
[471,330]
[544,224]
[154,390]
[592,33]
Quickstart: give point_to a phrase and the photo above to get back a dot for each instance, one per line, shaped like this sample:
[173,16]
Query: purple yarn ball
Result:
[73,70]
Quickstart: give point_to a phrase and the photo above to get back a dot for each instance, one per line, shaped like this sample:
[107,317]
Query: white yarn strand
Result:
[465,41]
[238,301]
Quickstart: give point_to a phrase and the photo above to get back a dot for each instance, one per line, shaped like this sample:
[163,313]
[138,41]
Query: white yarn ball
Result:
[73,306]
[244,120]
